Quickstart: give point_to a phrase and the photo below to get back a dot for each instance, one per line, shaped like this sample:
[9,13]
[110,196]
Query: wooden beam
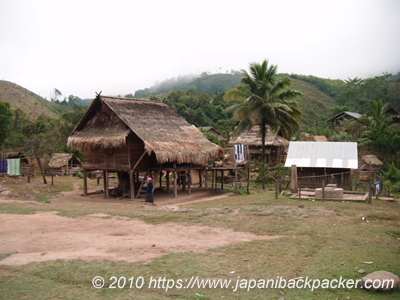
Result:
[134,167]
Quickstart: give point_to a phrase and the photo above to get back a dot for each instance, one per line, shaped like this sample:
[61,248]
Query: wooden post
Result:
[106,186]
[189,182]
[276,189]
[293,179]
[167,181]
[41,170]
[248,169]
[356,187]
[299,190]
[175,181]
[206,178]
[236,181]
[341,180]
[132,184]
[85,189]
[222,180]
[323,190]
[200,178]
[370,191]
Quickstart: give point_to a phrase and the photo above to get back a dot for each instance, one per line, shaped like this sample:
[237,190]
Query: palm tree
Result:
[377,118]
[264,99]
[379,125]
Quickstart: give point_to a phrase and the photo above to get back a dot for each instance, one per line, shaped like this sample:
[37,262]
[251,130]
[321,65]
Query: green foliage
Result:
[6,116]
[358,92]
[210,136]
[392,174]
[45,135]
[328,86]
[198,109]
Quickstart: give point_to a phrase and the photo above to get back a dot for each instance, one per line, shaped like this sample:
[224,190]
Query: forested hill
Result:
[205,83]
[30,103]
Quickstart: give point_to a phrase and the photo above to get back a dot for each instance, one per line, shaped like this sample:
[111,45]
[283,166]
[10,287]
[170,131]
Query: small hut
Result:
[137,138]
[367,166]
[63,164]
[317,162]
[275,145]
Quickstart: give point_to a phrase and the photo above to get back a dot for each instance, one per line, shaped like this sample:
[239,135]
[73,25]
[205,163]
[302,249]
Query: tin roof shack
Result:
[130,136]
[328,161]
[345,116]
[26,167]
[63,164]
[275,145]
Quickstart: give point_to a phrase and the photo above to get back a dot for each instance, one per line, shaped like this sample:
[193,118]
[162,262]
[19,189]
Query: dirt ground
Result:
[47,236]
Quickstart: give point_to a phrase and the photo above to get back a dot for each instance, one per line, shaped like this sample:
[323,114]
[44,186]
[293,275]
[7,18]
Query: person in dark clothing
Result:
[149,191]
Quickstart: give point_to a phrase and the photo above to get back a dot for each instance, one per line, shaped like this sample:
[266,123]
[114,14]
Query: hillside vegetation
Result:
[30,103]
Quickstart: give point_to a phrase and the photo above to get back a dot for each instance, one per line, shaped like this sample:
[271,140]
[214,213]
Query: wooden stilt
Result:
[85,187]
[189,182]
[132,184]
[175,181]
[106,184]
[167,181]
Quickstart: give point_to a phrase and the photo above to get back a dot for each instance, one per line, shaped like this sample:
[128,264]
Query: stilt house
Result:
[135,137]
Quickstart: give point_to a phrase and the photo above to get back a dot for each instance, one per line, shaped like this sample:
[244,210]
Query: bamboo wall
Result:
[120,159]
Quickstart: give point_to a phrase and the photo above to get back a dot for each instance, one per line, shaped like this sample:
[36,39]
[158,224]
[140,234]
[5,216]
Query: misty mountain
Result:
[204,83]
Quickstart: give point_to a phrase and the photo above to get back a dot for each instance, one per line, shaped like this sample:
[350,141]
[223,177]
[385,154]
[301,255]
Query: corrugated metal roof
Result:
[323,155]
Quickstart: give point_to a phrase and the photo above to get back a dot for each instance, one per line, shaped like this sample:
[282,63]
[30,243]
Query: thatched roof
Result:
[253,138]
[59,160]
[110,120]
[371,160]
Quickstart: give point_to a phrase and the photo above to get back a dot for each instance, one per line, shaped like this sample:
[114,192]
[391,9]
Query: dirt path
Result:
[46,236]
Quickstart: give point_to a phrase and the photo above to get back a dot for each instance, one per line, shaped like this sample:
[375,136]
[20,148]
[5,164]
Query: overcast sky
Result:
[117,47]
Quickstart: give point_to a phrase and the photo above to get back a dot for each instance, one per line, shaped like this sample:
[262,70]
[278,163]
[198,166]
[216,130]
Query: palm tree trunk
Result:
[263,135]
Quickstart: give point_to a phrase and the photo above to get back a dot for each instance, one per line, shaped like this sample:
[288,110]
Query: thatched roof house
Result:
[63,163]
[133,135]
[276,146]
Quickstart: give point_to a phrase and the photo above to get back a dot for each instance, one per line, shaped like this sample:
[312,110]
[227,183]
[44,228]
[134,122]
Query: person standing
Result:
[149,191]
